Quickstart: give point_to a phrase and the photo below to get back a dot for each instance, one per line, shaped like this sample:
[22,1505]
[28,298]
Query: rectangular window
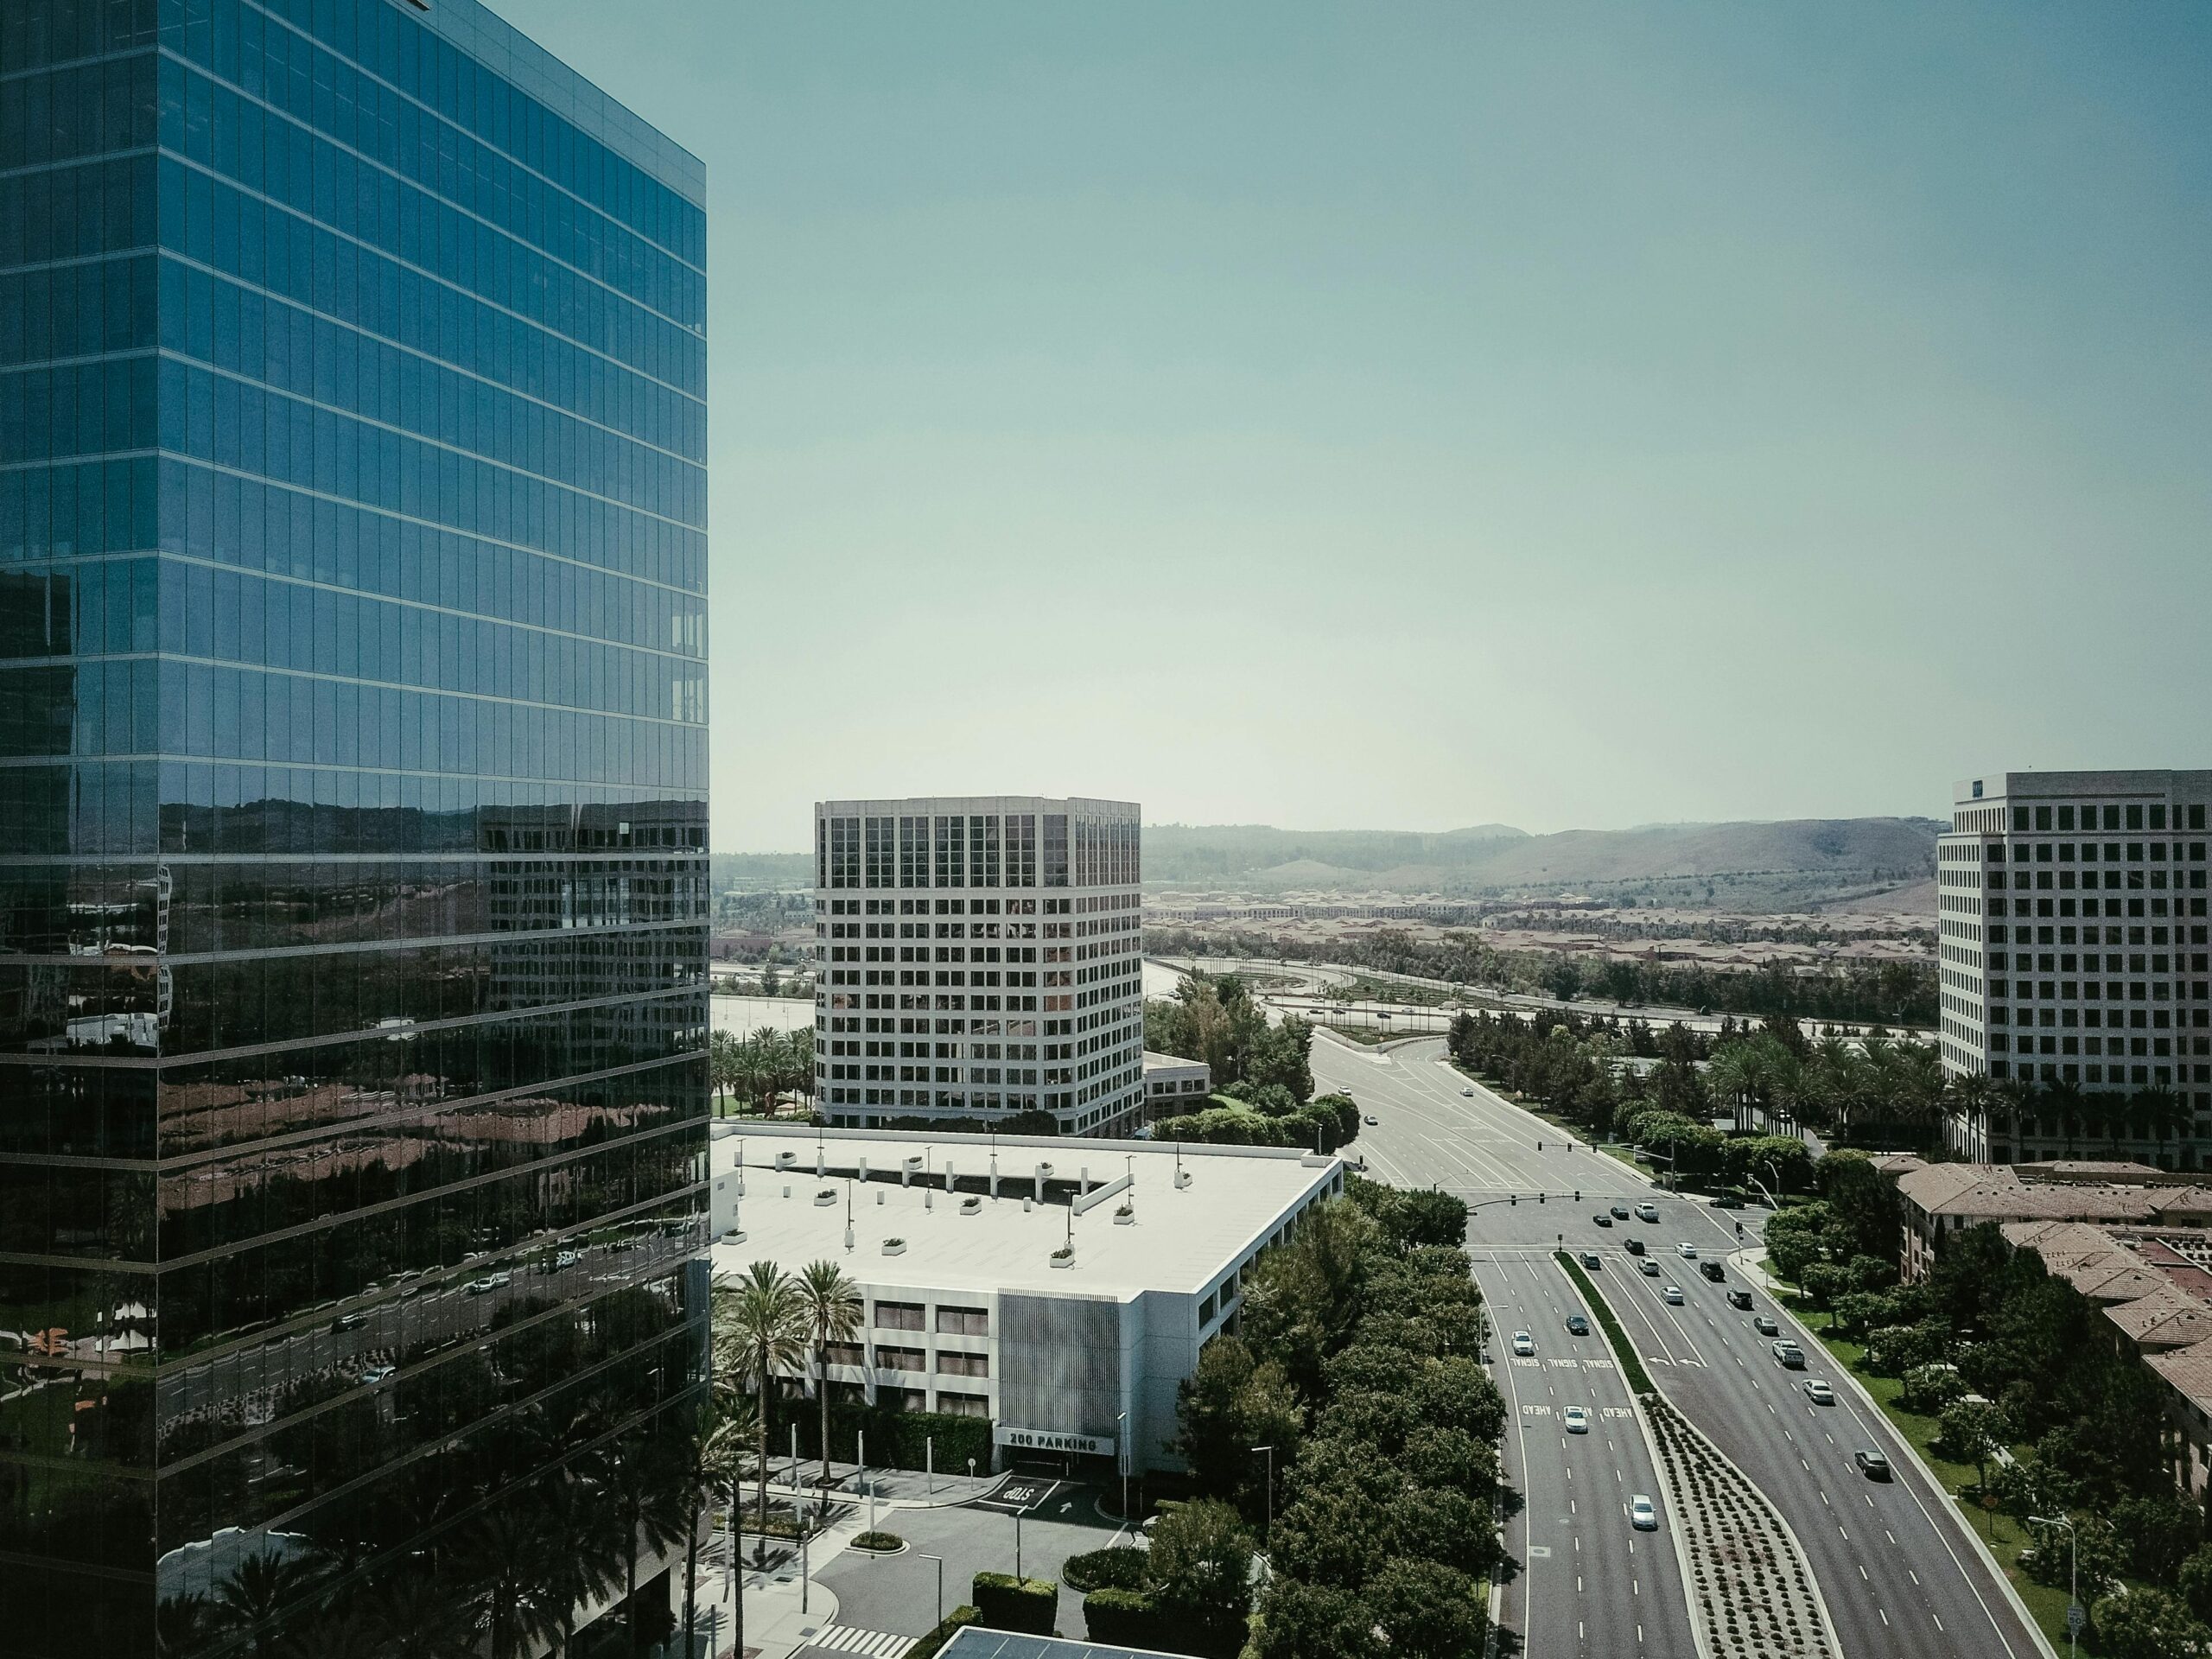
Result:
[898,1316]
[914,852]
[900,1359]
[963,1405]
[963,1364]
[963,1322]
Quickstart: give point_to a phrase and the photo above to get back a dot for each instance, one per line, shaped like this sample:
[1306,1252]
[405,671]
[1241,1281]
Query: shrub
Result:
[927,1647]
[1117,1615]
[1006,1603]
[881,1543]
[1119,1568]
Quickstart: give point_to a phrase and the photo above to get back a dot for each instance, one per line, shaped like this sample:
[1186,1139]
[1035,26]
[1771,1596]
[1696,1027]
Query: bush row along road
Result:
[1898,1572]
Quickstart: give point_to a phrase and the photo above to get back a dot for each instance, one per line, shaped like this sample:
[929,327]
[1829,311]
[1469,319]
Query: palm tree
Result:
[715,1463]
[802,1044]
[768,1043]
[2071,1105]
[834,1313]
[1730,1075]
[260,1590]
[764,1328]
[2021,1099]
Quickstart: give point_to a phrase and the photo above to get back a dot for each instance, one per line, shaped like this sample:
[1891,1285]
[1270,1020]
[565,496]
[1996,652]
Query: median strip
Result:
[1631,1362]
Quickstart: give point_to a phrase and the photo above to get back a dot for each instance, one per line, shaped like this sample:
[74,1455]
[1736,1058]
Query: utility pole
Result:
[2073,1580]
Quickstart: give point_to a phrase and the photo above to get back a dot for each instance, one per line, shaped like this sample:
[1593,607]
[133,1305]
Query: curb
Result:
[1951,1508]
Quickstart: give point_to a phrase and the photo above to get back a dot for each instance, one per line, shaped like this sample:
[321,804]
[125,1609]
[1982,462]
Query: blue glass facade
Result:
[352,820]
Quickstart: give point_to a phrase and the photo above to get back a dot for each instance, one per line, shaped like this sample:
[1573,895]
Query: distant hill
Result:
[1813,854]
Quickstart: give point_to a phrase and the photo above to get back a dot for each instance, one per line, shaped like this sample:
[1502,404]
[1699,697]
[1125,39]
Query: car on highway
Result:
[1578,1420]
[1642,1512]
[1686,1251]
[377,1374]
[1791,1356]
[1370,1120]
[1647,1212]
[1635,1247]
[1819,1392]
[1872,1463]
[1602,1219]
[1590,1258]
[1523,1344]
[1764,1324]
[1739,1298]
[1577,1325]
[1673,1295]
[1469,1093]
[1713,1270]
[1650,1267]
[1620,1213]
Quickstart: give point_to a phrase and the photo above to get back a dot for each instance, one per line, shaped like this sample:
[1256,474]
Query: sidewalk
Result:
[782,1613]
[902,1489]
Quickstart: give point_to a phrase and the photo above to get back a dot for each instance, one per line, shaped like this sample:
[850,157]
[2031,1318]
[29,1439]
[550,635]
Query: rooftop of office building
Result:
[1193,1210]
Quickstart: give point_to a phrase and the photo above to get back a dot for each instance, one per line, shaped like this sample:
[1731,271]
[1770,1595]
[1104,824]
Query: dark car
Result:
[1603,1220]
[1577,1325]
[1635,1247]
[1872,1463]
[1590,1258]
[1739,1298]
[1713,1270]
[1620,1213]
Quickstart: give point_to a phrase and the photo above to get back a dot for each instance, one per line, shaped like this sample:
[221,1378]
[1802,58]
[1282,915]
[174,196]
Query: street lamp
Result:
[1270,1453]
[939,1559]
[1121,1447]
[2073,1577]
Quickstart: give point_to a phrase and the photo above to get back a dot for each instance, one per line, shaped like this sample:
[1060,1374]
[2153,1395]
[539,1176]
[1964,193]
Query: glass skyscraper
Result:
[353,821]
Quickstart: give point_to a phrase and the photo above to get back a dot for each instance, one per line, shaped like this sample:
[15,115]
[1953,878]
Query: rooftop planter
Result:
[894,1247]
[825,1196]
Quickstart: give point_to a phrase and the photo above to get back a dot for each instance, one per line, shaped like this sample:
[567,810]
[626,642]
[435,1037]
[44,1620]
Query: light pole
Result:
[1270,1452]
[939,1559]
[1017,1544]
[1121,1447]
[2072,1576]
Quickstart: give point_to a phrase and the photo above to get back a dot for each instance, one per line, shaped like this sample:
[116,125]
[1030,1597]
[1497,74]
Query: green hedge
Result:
[1006,1603]
[1119,1568]
[1129,1616]
[1631,1362]
[895,1439]
[927,1647]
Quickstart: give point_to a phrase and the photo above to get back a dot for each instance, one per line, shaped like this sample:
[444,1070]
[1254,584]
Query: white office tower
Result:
[979,956]
[2073,942]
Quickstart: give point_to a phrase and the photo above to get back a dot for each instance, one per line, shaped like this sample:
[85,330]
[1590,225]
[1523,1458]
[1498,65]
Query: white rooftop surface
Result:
[1180,1240]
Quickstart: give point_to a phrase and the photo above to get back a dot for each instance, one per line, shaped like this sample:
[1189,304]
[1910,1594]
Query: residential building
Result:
[352,576]
[1174,1085]
[979,956]
[955,1242]
[2075,978]
[1934,1199]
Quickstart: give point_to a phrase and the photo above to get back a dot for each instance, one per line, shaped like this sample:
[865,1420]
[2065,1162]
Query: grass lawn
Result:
[1359,1034]
[2004,1536]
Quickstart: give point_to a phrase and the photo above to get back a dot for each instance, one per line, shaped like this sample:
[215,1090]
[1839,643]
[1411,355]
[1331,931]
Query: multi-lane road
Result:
[1898,1572]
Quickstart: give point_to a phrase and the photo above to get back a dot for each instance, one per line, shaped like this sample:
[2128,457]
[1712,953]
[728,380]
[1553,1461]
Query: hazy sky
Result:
[1417,416]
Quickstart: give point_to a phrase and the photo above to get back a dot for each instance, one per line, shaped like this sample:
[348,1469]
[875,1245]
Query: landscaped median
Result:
[1631,1362]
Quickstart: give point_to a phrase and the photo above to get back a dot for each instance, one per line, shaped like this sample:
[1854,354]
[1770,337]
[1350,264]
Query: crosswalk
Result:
[850,1638]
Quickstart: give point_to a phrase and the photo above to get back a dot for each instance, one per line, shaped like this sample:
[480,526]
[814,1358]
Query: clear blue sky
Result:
[1417,415]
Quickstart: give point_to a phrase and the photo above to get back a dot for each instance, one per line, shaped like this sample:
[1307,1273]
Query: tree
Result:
[1862,1201]
[2147,1624]
[261,1590]
[2156,1532]
[1972,1431]
[1426,1610]
[1201,1565]
[1300,1300]
[764,1327]
[830,1304]
[1229,1404]
[2194,1579]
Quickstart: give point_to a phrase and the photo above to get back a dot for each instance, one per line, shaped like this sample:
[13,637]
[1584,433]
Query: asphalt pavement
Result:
[1892,1560]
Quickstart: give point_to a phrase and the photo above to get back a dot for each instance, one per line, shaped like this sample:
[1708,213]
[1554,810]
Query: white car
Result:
[1687,1252]
[375,1375]
[1673,1295]
[1523,1344]
[1643,1514]
[1819,1392]
[1469,1093]
[1647,1212]
[1578,1420]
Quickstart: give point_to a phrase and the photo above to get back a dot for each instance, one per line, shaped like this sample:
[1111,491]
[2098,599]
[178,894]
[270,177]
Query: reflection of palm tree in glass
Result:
[259,1592]
[181,1622]
[762,1324]
[414,1616]
[644,1477]
[832,1304]
[500,1556]
[579,1552]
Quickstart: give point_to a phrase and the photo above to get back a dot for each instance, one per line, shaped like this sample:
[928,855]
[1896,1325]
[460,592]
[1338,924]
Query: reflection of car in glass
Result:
[1764,1324]
[377,1374]
[1872,1463]
[1643,1514]
[1577,1325]
[1578,1420]
[1673,1294]
[1819,1392]
[1523,1344]
[482,1286]
[349,1322]
[1650,1267]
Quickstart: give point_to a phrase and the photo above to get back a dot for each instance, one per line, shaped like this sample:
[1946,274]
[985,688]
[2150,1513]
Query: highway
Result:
[1891,1559]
